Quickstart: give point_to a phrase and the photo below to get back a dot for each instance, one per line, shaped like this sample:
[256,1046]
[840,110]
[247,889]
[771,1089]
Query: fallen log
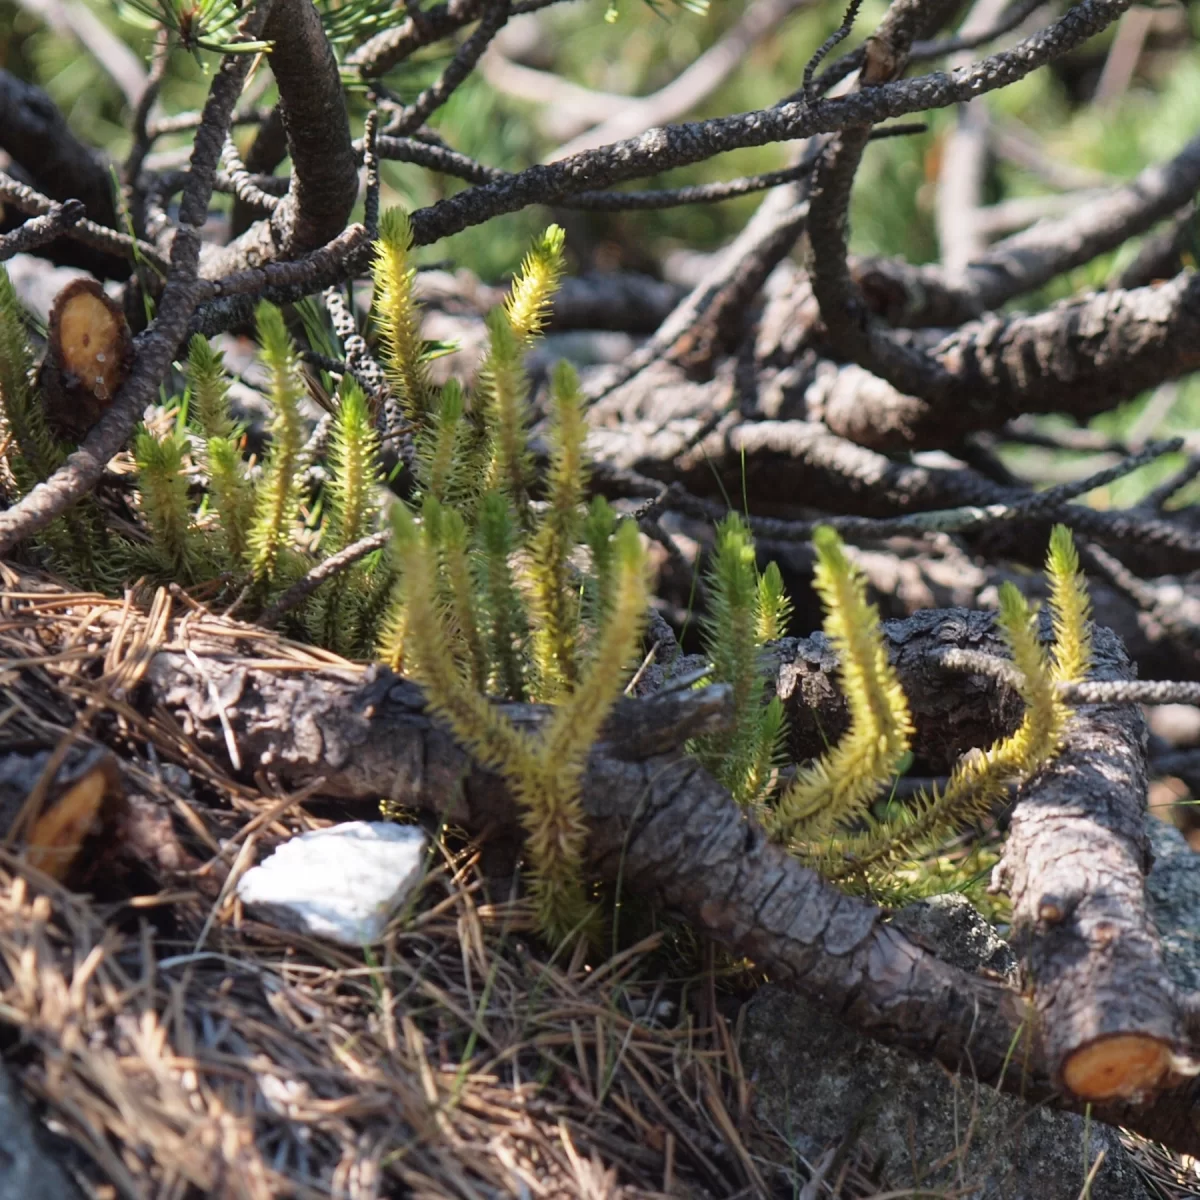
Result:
[667,830]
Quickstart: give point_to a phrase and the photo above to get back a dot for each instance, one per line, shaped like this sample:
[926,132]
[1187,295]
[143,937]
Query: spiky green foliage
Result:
[506,622]
[278,494]
[393,628]
[443,448]
[208,387]
[556,592]
[233,498]
[505,393]
[841,784]
[335,617]
[355,469]
[1070,608]
[873,856]
[228,481]
[555,825]
[533,289]
[743,760]
[165,504]
[398,316]
[773,607]
[34,453]
[978,781]
[599,525]
[460,588]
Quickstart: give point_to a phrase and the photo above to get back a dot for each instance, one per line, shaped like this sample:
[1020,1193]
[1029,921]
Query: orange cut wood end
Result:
[1117,1067]
[57,835]
[89,332]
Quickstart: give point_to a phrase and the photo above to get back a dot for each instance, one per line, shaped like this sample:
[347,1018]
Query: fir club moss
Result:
[827,816]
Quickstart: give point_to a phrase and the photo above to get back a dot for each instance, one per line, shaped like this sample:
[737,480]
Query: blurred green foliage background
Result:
[645,47]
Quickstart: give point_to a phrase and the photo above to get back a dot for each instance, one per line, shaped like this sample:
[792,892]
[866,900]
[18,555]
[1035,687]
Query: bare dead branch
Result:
[27,200]
[680,145]
[1091,353]
[324,181]
[385,50]
[328,569]
[244,185]
[142,140]
[40,230]
[637,114]
[412,116]
[158,345]
[670,832]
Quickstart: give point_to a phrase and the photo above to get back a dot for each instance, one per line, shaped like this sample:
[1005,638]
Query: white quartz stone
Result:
[342,883]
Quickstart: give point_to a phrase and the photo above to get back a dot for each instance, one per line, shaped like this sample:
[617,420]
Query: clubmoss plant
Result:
[830,815]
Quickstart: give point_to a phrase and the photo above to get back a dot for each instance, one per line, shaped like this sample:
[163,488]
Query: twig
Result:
[242,184]
[40,230]
[451,162]
[923,51]
[831,43]
[758,21]
[1158,498]
[142,141]
[27,200]
[1088,691]
[185,122]
[334,565]
[495,16]
[676,146]
[158,345]
[359,359]
[381,53]
[371,171]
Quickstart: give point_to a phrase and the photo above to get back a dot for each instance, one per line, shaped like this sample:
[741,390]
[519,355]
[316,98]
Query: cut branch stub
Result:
[50,809]
[88,357]
[1074,865]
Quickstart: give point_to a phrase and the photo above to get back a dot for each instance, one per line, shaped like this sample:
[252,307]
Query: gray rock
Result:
[29,1170]
[951,927]
[820,1084]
